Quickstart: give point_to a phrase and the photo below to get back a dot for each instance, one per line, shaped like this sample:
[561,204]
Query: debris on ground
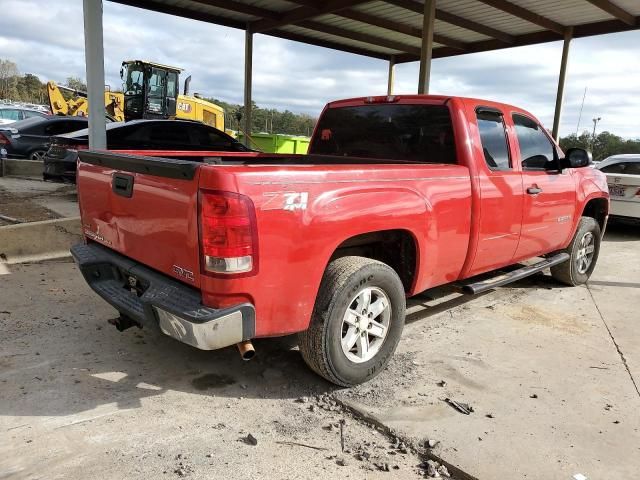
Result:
[461,407]
[342,462]
[432,469]
[250,440]
[431,443]
[441,383]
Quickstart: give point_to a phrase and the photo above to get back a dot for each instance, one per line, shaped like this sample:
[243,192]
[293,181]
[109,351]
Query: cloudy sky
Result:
[45,37]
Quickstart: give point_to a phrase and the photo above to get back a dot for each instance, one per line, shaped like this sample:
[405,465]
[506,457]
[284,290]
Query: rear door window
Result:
[628,168]
[10,114]
[64,126]
[414,133]
[170,136]
[209,139]
[493,137]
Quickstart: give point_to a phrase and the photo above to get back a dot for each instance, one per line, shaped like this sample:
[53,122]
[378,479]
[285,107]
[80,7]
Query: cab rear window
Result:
[414,133]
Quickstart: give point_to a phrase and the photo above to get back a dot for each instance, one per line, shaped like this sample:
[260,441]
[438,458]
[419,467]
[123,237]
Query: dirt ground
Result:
[31,200]
[551,393]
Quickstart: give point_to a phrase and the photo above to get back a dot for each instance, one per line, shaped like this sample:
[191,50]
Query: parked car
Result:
[61,159]
[623,178]
[11,114]
[30,138]
[397,195]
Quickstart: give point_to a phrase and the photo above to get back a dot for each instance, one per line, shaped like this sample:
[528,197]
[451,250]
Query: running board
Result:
[500,280]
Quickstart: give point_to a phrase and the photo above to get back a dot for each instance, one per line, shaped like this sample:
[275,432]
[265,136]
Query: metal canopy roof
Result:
[389,29]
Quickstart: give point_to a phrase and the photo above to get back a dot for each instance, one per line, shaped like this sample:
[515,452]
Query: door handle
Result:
[534,190]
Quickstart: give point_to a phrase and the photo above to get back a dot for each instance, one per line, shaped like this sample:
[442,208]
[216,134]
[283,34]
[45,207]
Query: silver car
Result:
[11,113]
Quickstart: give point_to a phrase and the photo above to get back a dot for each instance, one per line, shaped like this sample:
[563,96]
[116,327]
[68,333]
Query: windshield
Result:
[135,80]
[416,133]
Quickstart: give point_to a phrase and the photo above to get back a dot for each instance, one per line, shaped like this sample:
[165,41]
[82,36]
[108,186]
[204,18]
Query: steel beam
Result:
[94,61]
[399,27]
[373,40]
[615,11]
[447,17]
[303,13]
[248,72]
[426,52]
[524,14]
[568,36]
[391,75]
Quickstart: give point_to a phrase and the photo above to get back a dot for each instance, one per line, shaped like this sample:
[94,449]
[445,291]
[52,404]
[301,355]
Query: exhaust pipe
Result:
[247,352]
[122,323]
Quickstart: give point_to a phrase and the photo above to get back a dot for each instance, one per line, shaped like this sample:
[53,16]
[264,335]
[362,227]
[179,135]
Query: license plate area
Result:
[617,190]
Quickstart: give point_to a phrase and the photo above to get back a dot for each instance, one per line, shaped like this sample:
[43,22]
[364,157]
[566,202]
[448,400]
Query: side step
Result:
[500,280]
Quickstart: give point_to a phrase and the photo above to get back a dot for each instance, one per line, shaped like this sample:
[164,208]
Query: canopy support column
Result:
[94,61]
[248,72]
[390,79]
[568,36]
[427,45]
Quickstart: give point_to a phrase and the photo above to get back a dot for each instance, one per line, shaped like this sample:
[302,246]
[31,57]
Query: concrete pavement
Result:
[550,371]
[541,364]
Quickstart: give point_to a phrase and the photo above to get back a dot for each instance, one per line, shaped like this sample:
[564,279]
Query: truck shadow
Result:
[622,231]
[79,366]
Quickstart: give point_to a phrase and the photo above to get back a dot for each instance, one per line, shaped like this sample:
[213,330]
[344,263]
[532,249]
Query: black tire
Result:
[321,346]
[569,272]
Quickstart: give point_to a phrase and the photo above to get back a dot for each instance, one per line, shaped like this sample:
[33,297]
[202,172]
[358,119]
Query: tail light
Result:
[3,140]
[228,235]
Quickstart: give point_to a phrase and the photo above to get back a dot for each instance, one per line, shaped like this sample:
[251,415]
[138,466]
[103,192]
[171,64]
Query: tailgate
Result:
[144,208]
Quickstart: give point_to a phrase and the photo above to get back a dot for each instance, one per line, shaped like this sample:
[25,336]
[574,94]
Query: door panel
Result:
[500,194]
[549,196]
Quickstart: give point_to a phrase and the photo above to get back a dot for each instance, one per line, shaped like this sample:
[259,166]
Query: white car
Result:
[623,178]
[10,114]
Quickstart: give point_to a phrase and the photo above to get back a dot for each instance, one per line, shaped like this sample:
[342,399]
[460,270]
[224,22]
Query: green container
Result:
[277,143]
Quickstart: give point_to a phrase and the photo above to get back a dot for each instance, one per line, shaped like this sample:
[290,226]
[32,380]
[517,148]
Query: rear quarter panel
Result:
[305,212]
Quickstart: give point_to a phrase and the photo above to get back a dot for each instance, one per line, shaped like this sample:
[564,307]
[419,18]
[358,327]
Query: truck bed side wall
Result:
[305,213]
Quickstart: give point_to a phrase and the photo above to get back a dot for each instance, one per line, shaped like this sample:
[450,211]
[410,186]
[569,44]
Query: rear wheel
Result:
[357,321]
[584,250]
[37,155]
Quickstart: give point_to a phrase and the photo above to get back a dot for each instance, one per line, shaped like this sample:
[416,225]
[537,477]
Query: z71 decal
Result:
[290,201]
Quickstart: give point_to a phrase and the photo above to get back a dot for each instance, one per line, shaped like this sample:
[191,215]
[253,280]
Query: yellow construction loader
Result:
[150,90]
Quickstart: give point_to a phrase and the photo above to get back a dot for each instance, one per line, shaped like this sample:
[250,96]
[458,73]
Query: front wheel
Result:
[584,250]
[357,321]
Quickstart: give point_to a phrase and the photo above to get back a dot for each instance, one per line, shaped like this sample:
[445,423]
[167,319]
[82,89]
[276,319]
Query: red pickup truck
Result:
[398,194]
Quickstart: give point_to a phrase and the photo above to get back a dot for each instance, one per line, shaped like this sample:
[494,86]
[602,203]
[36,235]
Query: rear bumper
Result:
[625,208]
[153,299]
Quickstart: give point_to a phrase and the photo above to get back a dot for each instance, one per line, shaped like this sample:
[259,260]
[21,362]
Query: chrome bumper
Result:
[162,302]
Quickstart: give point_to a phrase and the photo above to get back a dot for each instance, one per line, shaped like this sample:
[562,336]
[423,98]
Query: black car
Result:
[30,138]
[60,160]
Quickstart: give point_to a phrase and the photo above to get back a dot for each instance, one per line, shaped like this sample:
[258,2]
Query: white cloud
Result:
[46,38]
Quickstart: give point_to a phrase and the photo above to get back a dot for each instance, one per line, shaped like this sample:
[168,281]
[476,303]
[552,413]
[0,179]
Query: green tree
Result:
[602,146]
[76,83]
[8,78]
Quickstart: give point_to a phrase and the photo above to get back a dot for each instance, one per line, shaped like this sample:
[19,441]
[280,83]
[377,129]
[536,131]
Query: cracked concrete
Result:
[548,369]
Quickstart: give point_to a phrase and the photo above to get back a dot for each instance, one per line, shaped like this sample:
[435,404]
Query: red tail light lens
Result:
[3,140]
[228,233]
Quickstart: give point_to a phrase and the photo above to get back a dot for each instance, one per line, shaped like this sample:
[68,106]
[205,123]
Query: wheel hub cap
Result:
[365,324]
[586,250]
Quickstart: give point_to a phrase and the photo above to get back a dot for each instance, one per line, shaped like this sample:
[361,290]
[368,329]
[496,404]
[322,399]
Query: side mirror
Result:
[576,158]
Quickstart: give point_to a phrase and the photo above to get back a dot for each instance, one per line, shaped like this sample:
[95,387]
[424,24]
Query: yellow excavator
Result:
[150,90]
